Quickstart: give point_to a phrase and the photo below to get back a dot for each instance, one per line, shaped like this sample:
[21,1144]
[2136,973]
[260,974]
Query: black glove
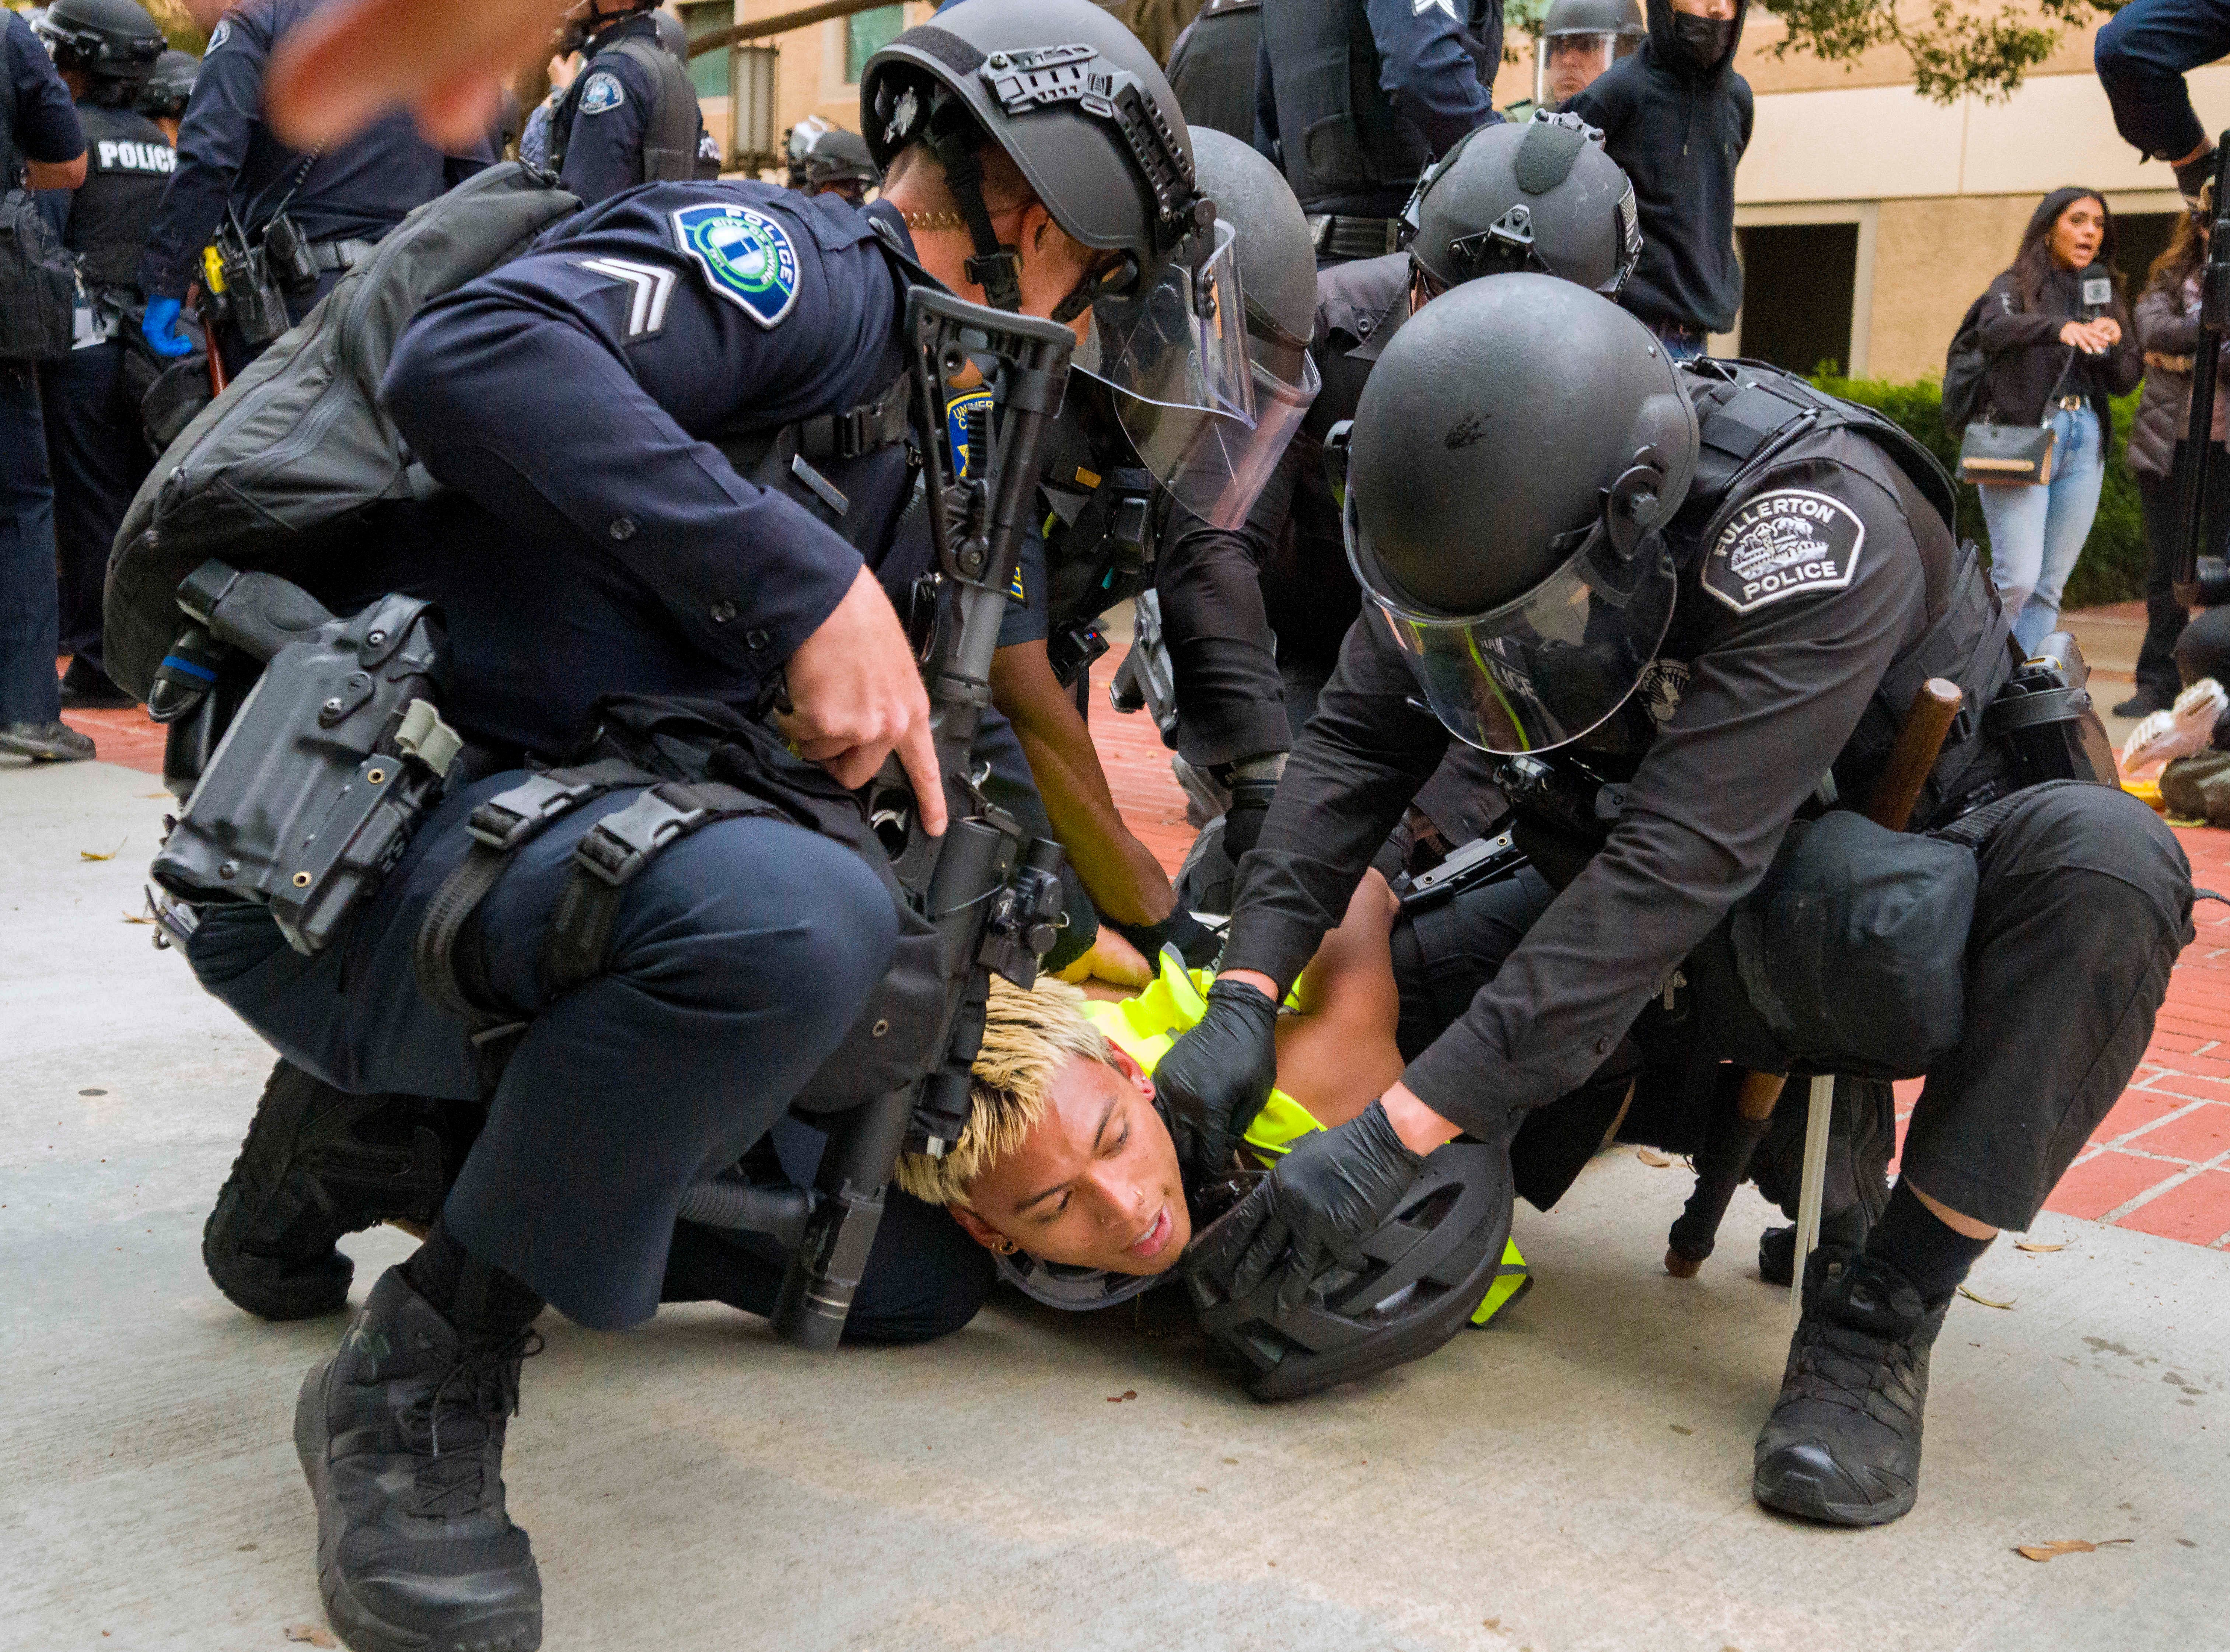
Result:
[1214,1078]
[1333,1191]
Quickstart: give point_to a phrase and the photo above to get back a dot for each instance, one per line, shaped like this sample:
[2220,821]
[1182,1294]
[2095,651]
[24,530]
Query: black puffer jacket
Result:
[1677,131]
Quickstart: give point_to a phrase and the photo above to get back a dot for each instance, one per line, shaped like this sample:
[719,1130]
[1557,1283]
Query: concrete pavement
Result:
[1575,1478]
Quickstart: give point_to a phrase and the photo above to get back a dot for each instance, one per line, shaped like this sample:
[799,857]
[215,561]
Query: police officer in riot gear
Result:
[234,175]
[167,90]
[105,49]
[1354,99]
[1105,517]
[631,115]
[1212,67]
[1715,590]
[1579,40]
[827,159]
[1571,215]
[581,555]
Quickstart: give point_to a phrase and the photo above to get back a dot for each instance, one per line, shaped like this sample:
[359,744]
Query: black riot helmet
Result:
[1581,38]
[1515,458]
[1082,109]
[169,87]
[110,42]
[1538,196]
[1226,463]
[826,156]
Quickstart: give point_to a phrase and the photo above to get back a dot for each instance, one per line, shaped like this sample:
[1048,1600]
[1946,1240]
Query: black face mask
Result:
[1704,40]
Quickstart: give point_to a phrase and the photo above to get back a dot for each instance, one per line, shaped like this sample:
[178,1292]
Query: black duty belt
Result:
[605,861]
[1336,235]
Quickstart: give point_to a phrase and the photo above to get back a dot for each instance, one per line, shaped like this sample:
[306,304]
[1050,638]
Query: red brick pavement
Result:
[2159,1162]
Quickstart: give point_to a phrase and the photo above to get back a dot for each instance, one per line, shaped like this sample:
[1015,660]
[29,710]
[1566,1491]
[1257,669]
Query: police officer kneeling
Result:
[593,540]
[1539,528]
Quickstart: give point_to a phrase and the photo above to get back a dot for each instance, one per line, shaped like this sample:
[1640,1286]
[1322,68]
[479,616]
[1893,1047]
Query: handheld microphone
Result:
[2096,291]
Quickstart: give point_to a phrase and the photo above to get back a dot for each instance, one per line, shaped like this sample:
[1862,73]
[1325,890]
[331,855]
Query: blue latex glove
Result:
[159,327]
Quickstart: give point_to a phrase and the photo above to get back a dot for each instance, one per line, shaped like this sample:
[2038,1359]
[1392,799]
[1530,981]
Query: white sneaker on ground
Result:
[2185,729]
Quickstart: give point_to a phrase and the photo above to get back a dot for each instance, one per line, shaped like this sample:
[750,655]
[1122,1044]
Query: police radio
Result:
[992,891]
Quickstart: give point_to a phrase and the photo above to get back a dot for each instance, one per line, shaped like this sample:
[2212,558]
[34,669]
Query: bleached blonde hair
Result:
[1027,1039]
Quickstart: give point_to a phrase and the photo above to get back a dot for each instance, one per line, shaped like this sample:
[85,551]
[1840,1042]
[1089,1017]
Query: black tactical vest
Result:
[1749,416]
[1346,149]
[1212,71]
[127,162]
[669,134]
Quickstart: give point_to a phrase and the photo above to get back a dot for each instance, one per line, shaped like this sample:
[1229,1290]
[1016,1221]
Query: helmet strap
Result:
[1118,277]
[996,267]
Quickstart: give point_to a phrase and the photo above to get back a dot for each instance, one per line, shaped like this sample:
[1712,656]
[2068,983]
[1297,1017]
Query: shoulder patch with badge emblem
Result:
[221,34]
[604,92]
[745,256]
[1781,544]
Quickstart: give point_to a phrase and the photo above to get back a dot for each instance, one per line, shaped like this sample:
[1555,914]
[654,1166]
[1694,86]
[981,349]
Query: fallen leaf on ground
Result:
[2065,1546]
[2024,1244]
[1984,1301]
[1117,1399]
[137,917]
[311,1633]
[1655,1160]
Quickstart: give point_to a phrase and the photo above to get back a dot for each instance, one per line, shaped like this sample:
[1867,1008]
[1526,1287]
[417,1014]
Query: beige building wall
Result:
[810,73]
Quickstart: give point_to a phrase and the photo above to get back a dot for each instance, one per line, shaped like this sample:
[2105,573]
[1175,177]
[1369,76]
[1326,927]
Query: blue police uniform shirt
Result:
[44,122]
[358,190]
[604,152]
[596,540]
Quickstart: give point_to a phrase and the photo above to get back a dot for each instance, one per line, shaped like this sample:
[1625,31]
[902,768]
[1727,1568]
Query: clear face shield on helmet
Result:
[1202,418]
[1543,669]
[1567,65]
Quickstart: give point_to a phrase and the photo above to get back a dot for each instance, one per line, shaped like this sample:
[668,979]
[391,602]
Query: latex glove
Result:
[1214,1078]
[1311,1215]
[159,327]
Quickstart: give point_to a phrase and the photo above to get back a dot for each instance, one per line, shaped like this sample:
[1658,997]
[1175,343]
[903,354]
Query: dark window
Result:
[1798,283]
[867,32]
[2140,237]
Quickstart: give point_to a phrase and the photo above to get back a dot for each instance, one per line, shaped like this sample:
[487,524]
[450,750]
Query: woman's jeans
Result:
[2037,532]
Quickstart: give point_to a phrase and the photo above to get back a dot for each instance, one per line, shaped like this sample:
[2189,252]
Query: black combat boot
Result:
[318,1163]
[401,1435]
[1843,1443]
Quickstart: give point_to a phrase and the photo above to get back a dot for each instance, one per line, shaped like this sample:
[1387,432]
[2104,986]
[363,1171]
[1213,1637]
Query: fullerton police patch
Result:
[602,92]
[745,256]
[1781,544]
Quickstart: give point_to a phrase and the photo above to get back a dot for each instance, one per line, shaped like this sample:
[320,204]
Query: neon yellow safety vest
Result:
[1146,1026]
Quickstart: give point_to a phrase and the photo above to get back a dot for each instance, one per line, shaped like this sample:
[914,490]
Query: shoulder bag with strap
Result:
[1991,453]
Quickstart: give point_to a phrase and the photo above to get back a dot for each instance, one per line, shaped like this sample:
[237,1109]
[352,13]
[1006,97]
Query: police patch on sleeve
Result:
[221,34]
[602,92]
[955,424]
[745,256]
[1782,544]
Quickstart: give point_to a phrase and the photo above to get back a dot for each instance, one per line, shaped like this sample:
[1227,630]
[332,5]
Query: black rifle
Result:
[2206,371]
[993,891]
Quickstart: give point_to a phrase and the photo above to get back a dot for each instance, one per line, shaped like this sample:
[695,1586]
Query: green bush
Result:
[2113,568]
